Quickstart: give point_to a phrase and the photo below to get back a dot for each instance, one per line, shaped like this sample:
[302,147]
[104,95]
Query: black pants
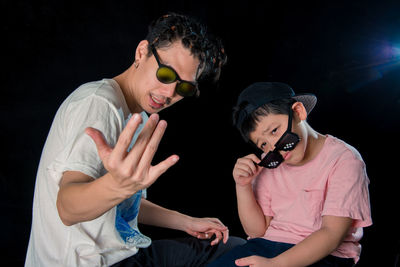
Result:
[182,252]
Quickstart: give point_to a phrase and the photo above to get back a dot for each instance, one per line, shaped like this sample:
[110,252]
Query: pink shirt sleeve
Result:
[347,191]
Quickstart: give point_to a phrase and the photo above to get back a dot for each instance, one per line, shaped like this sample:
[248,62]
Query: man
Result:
[88,194]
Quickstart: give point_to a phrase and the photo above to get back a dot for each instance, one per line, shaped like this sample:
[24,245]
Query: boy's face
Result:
[152,95]
[269,130]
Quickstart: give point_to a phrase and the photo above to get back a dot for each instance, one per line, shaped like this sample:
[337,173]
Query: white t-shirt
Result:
[100,105]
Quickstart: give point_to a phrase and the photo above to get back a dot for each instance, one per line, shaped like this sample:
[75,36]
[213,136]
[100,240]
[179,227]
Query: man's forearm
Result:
[86,199]
[153,214]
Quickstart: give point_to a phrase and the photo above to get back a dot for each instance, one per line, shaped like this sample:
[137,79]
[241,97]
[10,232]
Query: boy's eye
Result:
[263,145]
[274,131]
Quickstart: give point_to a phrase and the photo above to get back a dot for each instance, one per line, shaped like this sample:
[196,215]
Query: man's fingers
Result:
[201,235]
[208,235]
[218,224]
[160,168]
[226,236]
[218,237]
[103,148]
[136,153]
[152,144]
[221,232]
[125,138]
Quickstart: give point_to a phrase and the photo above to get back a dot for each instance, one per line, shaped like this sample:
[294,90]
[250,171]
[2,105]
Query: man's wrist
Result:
[116,190]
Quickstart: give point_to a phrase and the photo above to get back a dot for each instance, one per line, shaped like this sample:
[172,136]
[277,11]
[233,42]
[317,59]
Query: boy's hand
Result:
[132,171]
[254,261]
[246,169]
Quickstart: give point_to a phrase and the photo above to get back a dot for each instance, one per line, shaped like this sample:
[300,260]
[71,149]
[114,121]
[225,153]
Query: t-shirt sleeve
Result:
[262,194]
[347,193]
[79,152]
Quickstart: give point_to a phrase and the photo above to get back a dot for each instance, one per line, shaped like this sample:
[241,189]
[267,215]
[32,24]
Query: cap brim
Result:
[309,101]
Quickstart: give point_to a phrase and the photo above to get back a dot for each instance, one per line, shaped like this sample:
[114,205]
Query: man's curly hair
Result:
[194,36]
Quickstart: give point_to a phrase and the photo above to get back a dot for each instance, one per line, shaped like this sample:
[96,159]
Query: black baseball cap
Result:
[261,93]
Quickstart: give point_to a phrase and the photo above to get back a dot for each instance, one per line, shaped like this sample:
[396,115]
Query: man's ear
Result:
[141,51]
[300,110]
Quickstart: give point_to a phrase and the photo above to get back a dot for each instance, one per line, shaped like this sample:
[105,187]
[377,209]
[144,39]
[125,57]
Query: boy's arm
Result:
[253,220]
[250,213]
[317,245]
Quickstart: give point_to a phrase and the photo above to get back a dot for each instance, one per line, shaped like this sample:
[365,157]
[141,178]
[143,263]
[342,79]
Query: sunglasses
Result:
[287,142]
[167,74]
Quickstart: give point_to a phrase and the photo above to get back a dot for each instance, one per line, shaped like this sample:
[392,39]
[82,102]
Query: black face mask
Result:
[287,142]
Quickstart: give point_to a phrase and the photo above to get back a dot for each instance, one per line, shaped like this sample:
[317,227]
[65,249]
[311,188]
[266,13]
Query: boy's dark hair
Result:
[194,36]
[263,98]
[280,106]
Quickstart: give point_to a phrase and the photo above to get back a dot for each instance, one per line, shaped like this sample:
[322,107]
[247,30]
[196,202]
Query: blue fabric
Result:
[126,222]
[127,211]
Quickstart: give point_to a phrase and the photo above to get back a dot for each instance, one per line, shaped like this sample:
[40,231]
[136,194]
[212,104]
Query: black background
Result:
[340,50]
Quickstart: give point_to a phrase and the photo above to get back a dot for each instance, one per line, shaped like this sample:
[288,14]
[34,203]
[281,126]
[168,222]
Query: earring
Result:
[136,64]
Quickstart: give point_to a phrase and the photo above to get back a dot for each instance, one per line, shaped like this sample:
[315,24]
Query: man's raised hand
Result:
[132,171]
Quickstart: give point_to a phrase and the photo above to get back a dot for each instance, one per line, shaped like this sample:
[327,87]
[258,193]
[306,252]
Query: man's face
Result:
[152,95]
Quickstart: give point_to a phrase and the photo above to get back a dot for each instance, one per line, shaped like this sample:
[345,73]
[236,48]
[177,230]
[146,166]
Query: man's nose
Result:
[168,90]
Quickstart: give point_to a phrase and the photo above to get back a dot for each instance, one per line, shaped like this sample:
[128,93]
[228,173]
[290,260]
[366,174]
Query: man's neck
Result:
[127,91]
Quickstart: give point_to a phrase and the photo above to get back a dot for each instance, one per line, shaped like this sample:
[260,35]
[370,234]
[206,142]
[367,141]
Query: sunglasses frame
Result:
[177,78]
[273,158]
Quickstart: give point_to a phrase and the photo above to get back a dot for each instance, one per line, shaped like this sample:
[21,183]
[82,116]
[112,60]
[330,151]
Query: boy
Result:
[306,201]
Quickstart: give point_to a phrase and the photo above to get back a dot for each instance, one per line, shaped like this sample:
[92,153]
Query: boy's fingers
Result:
[254,158]
[250,166]
[243,171]
[244,261]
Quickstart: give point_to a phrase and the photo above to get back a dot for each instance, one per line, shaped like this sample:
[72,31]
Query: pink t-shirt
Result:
[333,183]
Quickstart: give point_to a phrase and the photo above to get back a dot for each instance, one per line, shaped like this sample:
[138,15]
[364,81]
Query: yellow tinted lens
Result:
[166,75]
[185,89]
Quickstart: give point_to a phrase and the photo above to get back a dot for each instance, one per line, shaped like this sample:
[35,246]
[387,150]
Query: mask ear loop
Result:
[289,132]
[289,129]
